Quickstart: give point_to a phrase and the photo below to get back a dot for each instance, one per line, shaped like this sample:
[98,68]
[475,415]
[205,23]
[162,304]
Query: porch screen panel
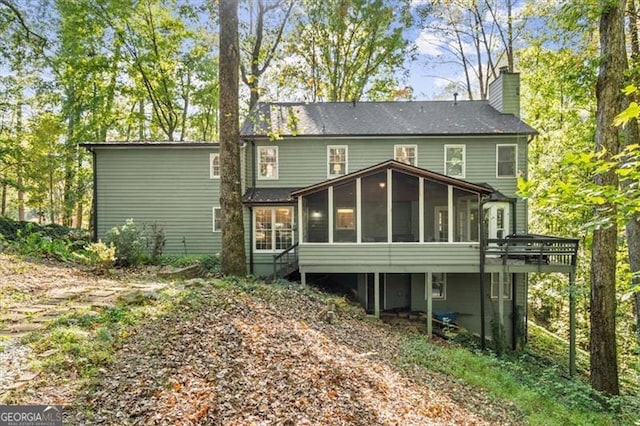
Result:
[465,217]
[436,207]
[405,208]
[344,213]
[374,208]
[316,216]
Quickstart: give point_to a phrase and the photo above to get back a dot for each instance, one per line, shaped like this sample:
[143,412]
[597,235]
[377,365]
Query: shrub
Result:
[99,256]
[129,241]
[156,240]
[30,241]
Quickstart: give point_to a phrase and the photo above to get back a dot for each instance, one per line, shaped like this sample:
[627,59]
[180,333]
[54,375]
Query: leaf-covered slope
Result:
[257,354]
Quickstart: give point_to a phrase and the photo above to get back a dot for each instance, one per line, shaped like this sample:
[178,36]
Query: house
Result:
[410,205]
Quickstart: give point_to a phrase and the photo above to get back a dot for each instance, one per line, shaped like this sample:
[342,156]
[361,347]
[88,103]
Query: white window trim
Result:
[495,277]
[215,212]
[464,160]
[277,165]
[212,175]
[415,152]
[444,287]
[273,233]
[346,161]
[498,161]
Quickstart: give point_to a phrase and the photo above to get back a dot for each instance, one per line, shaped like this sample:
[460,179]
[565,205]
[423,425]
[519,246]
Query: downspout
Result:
[253,189]
[514,312]
[514,305]
[94,203]
[483,240]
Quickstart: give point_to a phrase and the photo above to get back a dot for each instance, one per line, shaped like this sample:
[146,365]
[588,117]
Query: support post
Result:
[501,277]
[376,294]
[303,278]
[428,280]
[572,324]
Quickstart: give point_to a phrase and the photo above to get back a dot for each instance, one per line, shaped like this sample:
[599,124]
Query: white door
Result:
[497,217]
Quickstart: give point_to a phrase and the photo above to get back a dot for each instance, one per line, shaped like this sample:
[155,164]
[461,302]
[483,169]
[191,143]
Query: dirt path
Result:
[33,293]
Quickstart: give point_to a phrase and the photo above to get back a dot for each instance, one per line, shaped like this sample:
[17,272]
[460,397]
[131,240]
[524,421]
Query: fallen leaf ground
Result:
[234,353]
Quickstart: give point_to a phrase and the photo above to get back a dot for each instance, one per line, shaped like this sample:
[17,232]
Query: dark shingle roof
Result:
[268,195]
[135,144]
[419,118]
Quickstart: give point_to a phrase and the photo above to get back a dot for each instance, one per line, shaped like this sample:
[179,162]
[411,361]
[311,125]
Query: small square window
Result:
[336,161]
[454,160]
[405,154]
[217,219]
[495,282]
[268,162]
[214,166]
[506,160]
[439,285]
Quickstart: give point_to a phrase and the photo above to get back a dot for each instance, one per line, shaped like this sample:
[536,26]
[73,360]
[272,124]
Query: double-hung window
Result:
[273,228]
[336,161]
[454,160]
[214,166]
[406,154]
[268,162]
[506,160]
[495,283]
[439,285]
[217,219]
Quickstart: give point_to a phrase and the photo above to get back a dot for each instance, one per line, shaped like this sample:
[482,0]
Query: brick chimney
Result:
[504,92]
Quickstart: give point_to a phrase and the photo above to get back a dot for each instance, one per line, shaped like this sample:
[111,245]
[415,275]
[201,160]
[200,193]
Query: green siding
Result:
[170,186]
[400,257]
[303,161]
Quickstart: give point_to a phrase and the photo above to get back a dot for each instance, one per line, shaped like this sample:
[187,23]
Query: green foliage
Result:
[347,47]
[99,256]
[34,243]
[130,243]
[498,336]
[538,388]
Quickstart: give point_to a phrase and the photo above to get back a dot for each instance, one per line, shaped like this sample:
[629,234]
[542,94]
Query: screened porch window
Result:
[374,203]
[273,228]
[316,217]
[405,209]
[436,211]
[344,216]
[466,224]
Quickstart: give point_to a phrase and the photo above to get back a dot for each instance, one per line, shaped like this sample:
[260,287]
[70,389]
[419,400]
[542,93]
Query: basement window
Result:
[495,285]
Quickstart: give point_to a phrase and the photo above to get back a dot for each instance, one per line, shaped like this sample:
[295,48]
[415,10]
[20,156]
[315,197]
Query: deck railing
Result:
[533,249]
[286,262]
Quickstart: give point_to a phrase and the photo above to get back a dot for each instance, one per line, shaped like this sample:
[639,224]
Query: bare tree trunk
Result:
[3,201]
[20,162]
[233,255]
[633,137]
[20,184]
[602,345]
